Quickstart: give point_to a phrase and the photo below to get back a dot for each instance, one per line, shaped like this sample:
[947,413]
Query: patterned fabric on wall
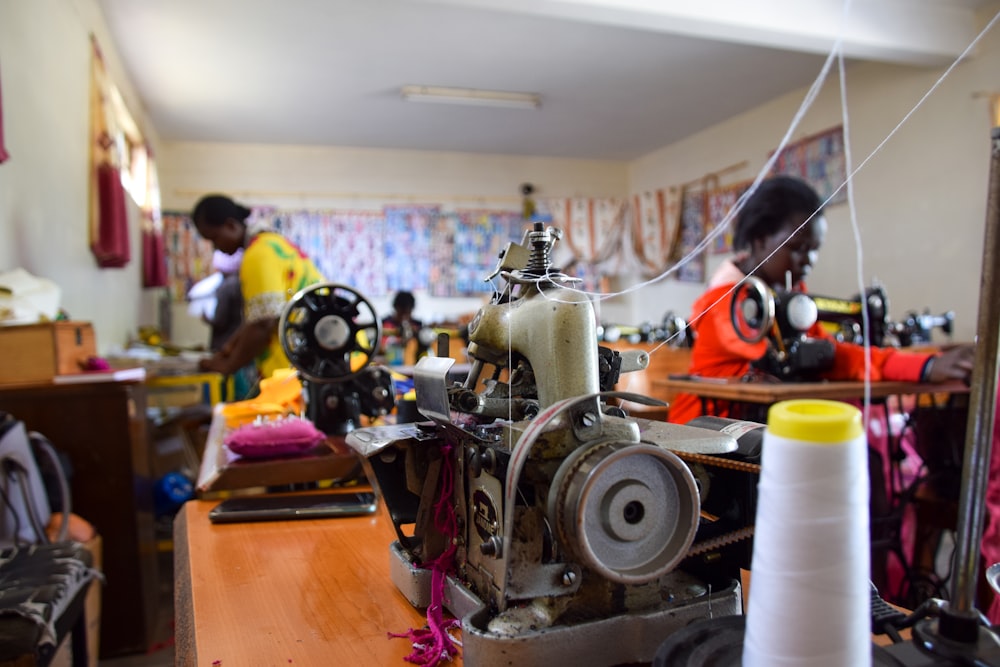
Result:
[408,247]
[820,160]
[346,247]
[656,229]
[594,231]
[479,236]
[189,257]
[719,202]
[692,233]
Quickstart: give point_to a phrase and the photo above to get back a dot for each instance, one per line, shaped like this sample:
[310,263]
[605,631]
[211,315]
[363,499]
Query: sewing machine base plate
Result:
[622,639]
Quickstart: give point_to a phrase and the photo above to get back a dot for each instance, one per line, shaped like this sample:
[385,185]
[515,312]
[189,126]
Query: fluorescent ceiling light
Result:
[471,96]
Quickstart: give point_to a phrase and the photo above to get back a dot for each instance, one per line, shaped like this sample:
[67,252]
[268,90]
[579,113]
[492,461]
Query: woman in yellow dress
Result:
[272,272]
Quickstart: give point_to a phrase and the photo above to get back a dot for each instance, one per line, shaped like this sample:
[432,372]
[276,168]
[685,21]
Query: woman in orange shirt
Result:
[778,235]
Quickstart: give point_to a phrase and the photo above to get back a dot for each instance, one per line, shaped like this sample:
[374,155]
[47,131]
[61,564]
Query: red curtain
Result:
[109,235]
[110,244]
[154,249]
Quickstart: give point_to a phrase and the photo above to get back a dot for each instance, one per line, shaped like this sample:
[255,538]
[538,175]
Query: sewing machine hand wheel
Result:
[324,326]
[752,310]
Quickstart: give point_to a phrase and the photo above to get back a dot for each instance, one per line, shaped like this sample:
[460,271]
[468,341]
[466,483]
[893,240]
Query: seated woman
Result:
[401,327]
[778,235]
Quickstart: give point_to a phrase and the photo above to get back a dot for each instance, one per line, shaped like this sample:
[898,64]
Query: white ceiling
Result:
[618,78]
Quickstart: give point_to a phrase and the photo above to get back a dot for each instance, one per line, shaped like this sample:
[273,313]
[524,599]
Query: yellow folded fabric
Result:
[280,394]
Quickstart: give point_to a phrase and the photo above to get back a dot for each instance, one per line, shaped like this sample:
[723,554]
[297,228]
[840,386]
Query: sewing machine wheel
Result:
[628,511]
[752,310]
[674,329]
[329,332]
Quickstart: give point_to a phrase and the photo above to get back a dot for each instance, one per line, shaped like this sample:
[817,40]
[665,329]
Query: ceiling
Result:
[618,78]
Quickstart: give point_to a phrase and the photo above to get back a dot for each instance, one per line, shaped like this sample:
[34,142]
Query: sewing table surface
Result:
[289,593]
[771,392]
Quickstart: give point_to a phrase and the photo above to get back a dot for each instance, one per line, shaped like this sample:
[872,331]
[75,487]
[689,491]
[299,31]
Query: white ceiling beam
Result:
[915,32]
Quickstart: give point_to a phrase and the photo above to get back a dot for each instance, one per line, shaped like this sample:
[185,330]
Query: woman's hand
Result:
[953,364]
[213,364]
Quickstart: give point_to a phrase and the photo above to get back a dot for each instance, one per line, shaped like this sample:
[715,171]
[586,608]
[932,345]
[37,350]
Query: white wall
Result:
[920,200]
[367,179]
[45,77]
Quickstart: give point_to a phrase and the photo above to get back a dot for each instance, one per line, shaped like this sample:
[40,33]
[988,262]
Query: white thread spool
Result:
[810,592]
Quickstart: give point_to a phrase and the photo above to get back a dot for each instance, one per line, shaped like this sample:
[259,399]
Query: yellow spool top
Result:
[814,420]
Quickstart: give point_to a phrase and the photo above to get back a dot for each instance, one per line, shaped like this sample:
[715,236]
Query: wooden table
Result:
[300,593]
[734,389]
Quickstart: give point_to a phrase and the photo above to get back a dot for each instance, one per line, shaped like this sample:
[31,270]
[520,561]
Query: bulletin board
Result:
[189,257]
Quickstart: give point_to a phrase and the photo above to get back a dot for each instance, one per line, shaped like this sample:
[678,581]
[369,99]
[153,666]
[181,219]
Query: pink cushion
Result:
[276,437]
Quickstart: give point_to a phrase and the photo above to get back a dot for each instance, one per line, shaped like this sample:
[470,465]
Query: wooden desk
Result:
[307,592]
[101,427]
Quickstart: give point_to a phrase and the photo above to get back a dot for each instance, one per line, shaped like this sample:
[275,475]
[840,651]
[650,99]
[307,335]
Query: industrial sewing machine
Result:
[566,531]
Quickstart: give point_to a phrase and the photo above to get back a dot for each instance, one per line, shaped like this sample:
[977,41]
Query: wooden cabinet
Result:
[101,427]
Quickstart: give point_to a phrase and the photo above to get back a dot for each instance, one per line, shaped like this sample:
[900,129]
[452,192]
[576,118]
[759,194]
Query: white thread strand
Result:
[723,226]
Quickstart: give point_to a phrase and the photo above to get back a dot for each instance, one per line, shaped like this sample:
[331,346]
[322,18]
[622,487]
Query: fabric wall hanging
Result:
[189,257]
[656,229]
[110,240]
[692,266]
[820,160]
[594,231]
[719,205]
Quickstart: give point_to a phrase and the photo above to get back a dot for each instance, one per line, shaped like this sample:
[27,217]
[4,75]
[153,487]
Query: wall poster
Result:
[719,202]
[818,159]
[692,270]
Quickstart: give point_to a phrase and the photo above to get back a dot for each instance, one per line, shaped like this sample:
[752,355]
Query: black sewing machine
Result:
[566,531]
[672,330]
[916,328]
[845,318]
[783,318]
[330,333]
